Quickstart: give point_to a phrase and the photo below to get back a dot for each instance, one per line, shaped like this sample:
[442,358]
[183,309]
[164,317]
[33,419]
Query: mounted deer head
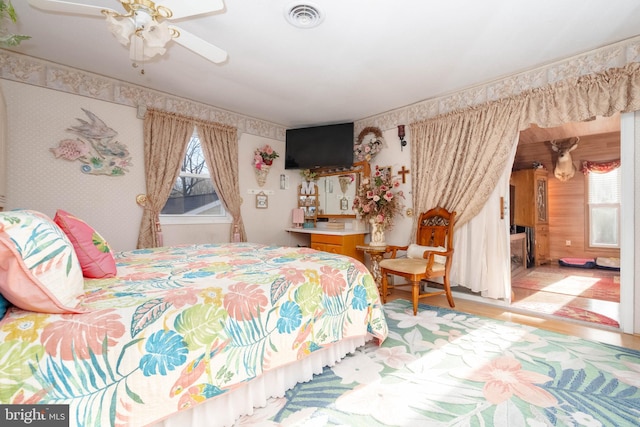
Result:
[565,169]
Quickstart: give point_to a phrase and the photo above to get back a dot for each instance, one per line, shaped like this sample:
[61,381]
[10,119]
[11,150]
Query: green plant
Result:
[7,12]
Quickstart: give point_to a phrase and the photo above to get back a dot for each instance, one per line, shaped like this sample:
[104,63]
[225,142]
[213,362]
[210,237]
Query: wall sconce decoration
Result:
[401,135]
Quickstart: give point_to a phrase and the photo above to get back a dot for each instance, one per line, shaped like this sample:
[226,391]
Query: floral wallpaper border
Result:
[26,69]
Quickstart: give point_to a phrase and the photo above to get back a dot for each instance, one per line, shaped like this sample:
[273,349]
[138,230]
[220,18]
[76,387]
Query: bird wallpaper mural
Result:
[95,147]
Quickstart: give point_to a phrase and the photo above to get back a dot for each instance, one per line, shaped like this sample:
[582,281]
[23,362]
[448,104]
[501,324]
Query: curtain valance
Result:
[460,155]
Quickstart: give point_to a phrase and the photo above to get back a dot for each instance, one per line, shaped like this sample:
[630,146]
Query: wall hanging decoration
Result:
[95,148]
[262,200]
[369,143]
[263,158]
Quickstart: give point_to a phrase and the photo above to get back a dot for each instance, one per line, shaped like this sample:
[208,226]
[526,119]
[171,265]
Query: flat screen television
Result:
[319,146]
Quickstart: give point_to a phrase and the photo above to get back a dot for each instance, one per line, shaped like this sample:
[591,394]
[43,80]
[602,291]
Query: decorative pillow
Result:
[39,270]
[93,252]
[417,251]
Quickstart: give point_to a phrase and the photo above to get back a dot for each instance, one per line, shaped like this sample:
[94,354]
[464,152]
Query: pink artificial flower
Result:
[267,149]
[380,218]
[388,196]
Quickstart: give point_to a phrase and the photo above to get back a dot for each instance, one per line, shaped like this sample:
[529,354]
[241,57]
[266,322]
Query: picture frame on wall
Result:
[344,204]
[262,200]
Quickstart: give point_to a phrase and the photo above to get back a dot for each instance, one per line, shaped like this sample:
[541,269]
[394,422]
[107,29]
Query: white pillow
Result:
[417,251]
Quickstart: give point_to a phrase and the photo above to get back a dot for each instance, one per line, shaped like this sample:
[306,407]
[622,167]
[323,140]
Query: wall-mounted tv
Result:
[319,146]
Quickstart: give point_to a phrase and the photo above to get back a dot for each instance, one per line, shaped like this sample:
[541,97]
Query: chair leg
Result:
[447,290]
[415,293]
[385,285]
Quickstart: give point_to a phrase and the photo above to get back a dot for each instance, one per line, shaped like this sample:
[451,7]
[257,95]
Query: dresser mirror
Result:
[337,189]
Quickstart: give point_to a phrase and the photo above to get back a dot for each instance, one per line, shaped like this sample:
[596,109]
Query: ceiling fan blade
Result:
[182,8]
[69,7]
[199,46]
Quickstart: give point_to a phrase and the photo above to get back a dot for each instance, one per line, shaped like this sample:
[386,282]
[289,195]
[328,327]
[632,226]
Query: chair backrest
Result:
[435,228]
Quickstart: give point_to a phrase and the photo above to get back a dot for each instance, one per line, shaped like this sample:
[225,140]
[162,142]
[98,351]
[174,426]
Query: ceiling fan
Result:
[144,26]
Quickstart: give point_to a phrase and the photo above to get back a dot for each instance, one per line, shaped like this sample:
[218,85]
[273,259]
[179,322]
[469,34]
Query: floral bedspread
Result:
[183,324]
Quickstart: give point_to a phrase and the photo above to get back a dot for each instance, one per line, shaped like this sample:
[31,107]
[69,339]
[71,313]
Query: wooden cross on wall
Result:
[404,173]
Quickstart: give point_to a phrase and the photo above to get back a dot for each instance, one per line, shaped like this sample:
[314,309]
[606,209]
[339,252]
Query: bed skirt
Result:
[225,409]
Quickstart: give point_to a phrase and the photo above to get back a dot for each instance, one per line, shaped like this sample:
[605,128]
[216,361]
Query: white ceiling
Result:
[367,57]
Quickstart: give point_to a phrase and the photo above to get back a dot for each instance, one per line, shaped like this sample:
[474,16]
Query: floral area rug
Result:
[446,368]
[566,311]
[585,283]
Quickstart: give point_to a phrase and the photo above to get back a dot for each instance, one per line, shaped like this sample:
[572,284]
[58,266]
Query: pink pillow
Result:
[94,253]
[39,270]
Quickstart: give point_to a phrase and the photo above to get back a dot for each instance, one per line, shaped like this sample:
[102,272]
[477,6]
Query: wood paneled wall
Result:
[567,200]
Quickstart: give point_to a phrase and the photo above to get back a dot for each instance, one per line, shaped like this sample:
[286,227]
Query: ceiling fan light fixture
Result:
[305,15]
[121,28]
[146,27]
[146,36]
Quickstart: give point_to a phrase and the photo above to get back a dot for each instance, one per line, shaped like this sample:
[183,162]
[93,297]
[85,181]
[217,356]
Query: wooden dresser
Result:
[343,242]
[531,209]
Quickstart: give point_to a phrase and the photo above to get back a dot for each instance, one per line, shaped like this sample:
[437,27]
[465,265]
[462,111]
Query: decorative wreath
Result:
[366,150]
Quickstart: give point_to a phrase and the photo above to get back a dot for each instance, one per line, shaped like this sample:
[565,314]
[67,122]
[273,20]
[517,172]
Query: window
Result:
[193,198]
[604,209]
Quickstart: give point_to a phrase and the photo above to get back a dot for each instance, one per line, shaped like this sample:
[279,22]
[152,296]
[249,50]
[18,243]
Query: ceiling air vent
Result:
[304,15]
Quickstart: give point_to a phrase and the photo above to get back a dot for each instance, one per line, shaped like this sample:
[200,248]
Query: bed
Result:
[185,335]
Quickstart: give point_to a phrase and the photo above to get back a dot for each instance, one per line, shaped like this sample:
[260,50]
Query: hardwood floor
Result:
[551,324]
[555,278]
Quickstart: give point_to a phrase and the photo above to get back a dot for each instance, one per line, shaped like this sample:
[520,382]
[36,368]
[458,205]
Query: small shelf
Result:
[308,201]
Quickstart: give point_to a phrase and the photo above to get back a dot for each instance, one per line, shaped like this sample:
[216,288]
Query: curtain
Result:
[220,147]
[482,256]
[459,156]
[599,167]
[165,142]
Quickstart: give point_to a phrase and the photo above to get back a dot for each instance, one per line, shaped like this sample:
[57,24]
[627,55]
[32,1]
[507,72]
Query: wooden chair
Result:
[428,258]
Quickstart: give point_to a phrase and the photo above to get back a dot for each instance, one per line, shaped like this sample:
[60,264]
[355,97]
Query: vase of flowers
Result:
[264,156]
[262,160]
[378,201]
